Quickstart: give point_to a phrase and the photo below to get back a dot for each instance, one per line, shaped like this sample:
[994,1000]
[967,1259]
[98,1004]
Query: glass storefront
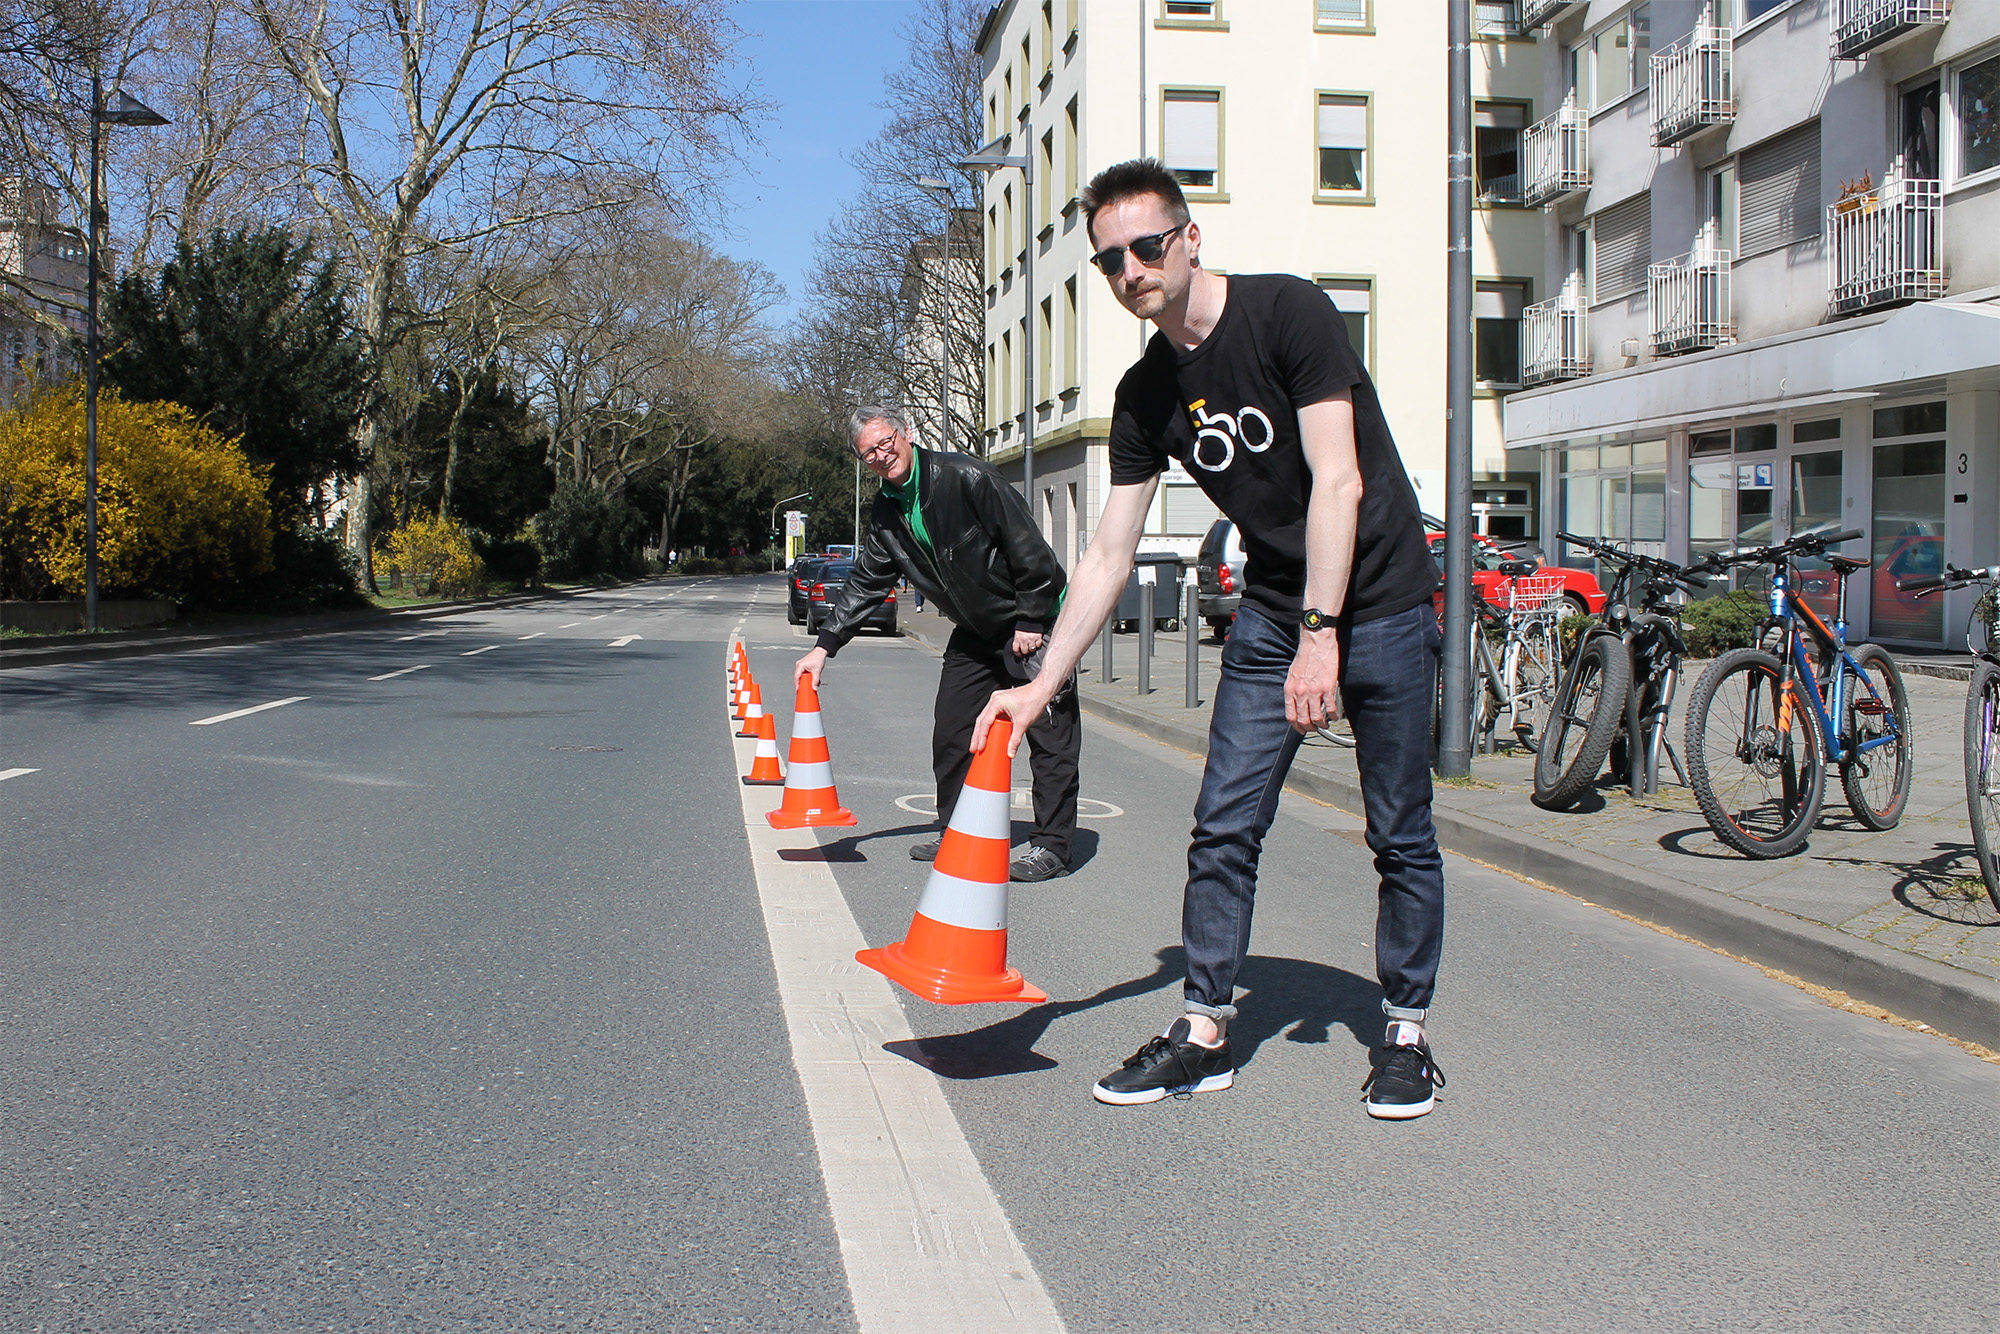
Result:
[1816,508]
[1616,493]
[1909,510]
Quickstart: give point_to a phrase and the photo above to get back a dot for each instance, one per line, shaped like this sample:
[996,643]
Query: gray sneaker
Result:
[1037,864]
[927,852]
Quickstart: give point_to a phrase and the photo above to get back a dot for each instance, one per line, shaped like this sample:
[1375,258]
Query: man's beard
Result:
[1148,301]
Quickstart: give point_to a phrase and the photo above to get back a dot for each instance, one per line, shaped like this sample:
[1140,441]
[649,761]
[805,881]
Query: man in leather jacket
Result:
[965,540]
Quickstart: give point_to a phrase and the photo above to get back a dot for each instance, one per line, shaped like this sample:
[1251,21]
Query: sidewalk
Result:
[1898,919]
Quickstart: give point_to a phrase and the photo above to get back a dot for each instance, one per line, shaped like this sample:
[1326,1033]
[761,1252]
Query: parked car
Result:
[798,586]
[1580,588]
[1219,570]
[828,584]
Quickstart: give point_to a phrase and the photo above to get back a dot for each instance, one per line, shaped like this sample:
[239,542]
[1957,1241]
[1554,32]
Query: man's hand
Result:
[1312,690]
[1022,705]
[810,665]
[1025,643]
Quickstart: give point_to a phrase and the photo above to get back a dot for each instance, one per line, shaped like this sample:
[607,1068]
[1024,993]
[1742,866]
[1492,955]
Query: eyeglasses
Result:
[886,447]
[1110,261]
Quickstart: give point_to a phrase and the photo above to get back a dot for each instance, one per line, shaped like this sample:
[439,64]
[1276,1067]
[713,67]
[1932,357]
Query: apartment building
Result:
[1310,137]
[42,273]
[1771,266]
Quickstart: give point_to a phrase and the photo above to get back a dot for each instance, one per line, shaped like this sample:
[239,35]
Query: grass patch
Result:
[1462,781]
[1967,887]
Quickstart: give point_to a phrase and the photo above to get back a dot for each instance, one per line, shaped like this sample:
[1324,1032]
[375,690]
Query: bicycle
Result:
[1763,725]
[1618,689]
[1982,713]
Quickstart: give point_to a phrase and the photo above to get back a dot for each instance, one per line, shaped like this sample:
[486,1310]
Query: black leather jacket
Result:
[991,572]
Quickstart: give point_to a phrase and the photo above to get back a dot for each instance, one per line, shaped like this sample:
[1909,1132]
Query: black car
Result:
[798,587]
[824,594]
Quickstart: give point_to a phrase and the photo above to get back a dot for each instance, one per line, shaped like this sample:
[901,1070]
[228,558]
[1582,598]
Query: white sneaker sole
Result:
[1213,1084]
[1400,1111]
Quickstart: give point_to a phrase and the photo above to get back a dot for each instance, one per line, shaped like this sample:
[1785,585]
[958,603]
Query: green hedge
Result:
[1711,626]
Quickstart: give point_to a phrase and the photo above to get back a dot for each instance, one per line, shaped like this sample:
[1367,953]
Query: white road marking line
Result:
[926,1245]
[6,774]
[567,625]
[390,676]
[537,635]
[257,708]
[600,616]
[404,639]
[473,653]
[621,643]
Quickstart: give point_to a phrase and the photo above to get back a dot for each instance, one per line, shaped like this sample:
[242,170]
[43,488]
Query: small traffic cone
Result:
[956,949]
[754,712]
[764,770]
[810,797]
[744,684]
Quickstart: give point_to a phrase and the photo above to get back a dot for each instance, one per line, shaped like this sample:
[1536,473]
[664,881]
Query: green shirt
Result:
[905,496]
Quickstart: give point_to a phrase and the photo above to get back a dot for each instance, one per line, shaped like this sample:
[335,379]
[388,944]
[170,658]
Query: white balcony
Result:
[1555,340]
[1689,300]
[1863,25]
[1886,247]
[1693,87]
[1535,13]
[1555,155]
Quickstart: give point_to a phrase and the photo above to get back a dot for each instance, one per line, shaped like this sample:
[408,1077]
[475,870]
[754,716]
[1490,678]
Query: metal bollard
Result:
[1145,637]
[1190,620]
[1104,672]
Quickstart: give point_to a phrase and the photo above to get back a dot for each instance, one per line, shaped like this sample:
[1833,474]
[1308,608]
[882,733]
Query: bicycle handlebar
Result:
[1690,576]
[1807,544]
[1953,577]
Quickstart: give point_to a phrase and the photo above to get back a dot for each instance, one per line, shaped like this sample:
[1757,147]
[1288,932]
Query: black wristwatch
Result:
[1315,619]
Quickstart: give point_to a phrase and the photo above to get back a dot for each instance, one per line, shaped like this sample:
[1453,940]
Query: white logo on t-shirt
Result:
[1219,432]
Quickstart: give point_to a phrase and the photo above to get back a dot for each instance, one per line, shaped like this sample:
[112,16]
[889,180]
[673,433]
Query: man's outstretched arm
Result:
[1100,578]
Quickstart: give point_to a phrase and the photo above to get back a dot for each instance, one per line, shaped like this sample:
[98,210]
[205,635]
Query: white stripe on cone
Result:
[807,725]
[811,776]
[971,904]
[981,813]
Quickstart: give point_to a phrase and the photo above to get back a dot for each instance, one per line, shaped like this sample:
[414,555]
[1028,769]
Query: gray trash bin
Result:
[1167,567]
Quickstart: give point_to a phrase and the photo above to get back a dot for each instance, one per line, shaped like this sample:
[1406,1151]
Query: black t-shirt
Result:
[1228,410]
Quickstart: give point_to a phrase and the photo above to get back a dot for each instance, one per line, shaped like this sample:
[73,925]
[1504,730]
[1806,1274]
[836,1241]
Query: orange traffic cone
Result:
[764,770]
[743,687]
[755,711]
[810,797]
[956,951]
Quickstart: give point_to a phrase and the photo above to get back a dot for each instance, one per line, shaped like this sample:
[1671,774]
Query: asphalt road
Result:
[445,1001]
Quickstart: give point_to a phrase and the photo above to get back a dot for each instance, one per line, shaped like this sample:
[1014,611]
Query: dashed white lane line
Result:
[390,676]
[404,639]
[245,713]
[623,641]
[6,774]
[600,616]
[473,653]
[568,624]
[537,635]
[926,1245]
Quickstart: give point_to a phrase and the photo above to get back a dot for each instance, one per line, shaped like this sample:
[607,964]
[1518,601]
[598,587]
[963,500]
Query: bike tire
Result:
[1588,707]
[1536,665]
[1877,784]
[1734,759]
[1982,770]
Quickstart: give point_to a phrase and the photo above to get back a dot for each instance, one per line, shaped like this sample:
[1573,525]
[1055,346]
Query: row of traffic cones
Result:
[956,949]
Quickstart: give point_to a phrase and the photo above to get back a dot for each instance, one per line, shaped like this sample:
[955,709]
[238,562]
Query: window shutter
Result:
[1343,122]
[1498,301]
[1346,13]
[1188,510]
[1778,200]
[1624,244]
[1191,131]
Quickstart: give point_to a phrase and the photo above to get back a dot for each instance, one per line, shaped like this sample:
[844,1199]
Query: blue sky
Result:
[821,62]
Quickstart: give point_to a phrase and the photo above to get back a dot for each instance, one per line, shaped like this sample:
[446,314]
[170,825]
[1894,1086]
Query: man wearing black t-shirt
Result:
[1251,384]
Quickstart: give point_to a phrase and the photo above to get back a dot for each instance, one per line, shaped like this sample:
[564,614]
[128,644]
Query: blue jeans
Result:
[1388,679]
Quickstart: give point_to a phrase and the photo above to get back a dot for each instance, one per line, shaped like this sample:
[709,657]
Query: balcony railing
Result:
[1555,342]
[1862,25]
[1689,299]
[1556,153]
[1692,84]
[1887,246]
[1535,13]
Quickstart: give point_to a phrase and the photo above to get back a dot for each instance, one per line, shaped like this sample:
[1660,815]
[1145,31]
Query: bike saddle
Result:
[1846,565]
[1514,569]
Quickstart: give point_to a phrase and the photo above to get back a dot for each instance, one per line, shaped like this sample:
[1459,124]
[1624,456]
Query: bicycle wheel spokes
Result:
[1755,756]
[1876,729]
[1982,771]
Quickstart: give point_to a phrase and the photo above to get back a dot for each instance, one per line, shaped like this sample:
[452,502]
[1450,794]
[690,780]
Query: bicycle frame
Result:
[1828,699]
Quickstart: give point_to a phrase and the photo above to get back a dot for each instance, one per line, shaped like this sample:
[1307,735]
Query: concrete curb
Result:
[1948,999]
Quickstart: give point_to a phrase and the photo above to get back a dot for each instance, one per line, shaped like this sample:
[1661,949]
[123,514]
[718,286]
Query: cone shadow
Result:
[833,852]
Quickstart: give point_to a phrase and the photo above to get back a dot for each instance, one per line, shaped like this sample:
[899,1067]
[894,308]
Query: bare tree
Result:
[430,126]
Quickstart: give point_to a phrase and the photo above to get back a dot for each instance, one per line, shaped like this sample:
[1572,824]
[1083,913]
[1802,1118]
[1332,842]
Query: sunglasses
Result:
[1110,261]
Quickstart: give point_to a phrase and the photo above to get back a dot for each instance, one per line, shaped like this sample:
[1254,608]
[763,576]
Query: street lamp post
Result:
[123,110]
[941,191]
[773,520]
[992,157]
[1454,755]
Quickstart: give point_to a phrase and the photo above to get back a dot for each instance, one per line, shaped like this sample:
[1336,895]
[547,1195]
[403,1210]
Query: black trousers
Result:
[973,670]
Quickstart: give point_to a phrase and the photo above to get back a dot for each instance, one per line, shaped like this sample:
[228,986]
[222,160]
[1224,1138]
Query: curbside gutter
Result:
[1950,1000]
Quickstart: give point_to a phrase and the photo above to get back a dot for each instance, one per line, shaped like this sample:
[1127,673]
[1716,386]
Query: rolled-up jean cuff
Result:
[1219,1013]
[1398,1012]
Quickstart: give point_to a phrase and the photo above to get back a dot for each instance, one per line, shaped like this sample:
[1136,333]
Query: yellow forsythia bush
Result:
[178,505]
[438,550]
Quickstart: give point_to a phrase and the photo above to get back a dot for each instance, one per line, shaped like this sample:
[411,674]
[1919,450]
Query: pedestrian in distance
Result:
[1250,382]
[964,539]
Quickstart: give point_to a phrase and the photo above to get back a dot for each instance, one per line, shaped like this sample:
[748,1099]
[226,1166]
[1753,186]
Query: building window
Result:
[1721,207]
[1354,298]
[1048,39]
[1069,151]
[1496,150]
[1045,340]
[1190,9]
[1047,168]
[1341,14]
[1613,61]
[1191,137]
[1976,107]
[1496,18]
[1621,245]
[1069,335]
[1343,145]
[1778,201]
[1496,315]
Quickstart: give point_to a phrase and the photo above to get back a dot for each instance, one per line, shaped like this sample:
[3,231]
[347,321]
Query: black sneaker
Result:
[1169,1064]
[1036,865]
[1404,1083]
[927,852]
